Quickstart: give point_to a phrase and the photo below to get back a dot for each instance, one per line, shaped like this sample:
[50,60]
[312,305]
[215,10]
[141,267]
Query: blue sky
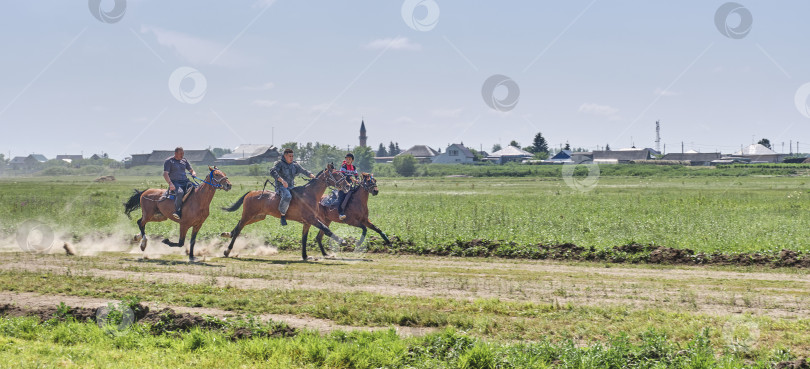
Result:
[591,73]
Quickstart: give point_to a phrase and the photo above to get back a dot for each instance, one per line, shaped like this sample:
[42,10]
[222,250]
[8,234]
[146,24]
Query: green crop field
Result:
[408,306]
[705,214]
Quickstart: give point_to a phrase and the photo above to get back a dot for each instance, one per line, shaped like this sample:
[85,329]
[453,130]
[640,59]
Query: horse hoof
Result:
[143,244]
[192,259]
[227,252]
[225,234]
[136,238]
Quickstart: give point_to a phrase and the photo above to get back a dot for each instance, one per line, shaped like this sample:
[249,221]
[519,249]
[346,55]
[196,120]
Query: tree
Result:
[218,151]
[392,149]
[539,144]
[514,143]
[496,147]
[765,142]
[322,154]
[607,147]
[476,155]
[364,158]
[567,146]
[405,165]
[289,145]
[381,151]
[396,146]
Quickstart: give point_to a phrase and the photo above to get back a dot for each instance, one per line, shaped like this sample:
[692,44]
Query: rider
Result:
[284,172]
[350,172]
[174,172]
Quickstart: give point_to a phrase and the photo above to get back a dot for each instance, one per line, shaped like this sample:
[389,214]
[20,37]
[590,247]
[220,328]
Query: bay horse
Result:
[195,208]
[356,210]
[303,207]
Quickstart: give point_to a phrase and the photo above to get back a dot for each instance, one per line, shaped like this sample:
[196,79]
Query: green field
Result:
[704,213]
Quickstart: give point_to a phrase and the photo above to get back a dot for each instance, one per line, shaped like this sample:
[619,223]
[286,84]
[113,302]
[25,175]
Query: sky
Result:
[126,77]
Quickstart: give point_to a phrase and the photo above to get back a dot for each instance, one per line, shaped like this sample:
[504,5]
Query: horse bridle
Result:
[367,184]
[218,181]
[335,181]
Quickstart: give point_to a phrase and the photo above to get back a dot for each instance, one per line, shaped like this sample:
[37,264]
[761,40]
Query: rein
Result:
[210,175]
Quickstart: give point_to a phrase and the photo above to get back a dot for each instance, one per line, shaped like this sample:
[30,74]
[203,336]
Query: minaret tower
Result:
[363,137]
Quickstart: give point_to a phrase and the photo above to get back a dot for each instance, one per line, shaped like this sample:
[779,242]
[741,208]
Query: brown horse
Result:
[356,210]
[303,207]
[195,208]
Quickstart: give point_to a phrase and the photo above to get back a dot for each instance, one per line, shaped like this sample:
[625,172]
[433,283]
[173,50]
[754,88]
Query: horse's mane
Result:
[309,182]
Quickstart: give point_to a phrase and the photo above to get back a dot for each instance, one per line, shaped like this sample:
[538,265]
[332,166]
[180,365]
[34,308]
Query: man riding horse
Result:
[284,172]
[174,172]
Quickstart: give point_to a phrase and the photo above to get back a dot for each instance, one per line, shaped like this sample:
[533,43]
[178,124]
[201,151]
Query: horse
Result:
[303,207]
[356,210]
[195,208]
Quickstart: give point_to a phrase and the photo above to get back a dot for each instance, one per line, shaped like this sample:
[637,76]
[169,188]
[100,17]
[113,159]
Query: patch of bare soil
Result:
[166,319]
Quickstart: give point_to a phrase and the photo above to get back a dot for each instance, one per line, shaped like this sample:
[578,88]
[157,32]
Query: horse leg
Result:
[375,229]
[182,241]
[363,236]
[234,233]
[329,233]
[142,227]
[304,234]
[318,239]
[194,231]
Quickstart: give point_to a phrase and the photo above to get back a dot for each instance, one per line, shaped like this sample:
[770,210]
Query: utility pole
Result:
[791,147]
[681,147]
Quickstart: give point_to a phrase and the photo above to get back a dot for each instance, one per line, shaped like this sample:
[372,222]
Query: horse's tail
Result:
[237,204]
[133,203]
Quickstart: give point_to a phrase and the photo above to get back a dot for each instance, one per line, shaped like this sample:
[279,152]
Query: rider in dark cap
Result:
[347,169]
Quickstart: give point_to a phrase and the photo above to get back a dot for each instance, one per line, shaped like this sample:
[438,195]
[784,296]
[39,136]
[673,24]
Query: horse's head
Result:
[370,184]
[335,179]
[218,179]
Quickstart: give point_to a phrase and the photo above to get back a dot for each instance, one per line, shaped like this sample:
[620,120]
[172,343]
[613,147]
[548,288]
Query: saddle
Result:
[170,195]
[330,201]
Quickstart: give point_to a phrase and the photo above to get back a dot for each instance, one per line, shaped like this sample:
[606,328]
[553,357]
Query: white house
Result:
[455,154]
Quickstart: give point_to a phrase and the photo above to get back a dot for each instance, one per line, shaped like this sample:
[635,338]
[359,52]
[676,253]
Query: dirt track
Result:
[782,293]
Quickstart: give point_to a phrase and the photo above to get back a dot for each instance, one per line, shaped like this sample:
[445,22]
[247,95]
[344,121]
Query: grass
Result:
[490,318]
[705,214]
[26,342]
